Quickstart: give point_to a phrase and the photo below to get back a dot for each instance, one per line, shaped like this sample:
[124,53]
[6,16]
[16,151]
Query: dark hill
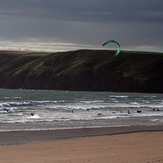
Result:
[83,70]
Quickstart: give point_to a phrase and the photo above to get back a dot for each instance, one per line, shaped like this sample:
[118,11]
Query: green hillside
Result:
[83,70]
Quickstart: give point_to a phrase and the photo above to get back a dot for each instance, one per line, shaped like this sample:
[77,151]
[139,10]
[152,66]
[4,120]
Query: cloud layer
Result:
[82,22]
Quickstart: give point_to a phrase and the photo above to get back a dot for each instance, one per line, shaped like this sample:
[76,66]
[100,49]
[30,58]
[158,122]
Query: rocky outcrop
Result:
[83,70]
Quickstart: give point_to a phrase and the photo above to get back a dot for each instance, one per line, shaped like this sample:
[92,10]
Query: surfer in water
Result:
[32,114]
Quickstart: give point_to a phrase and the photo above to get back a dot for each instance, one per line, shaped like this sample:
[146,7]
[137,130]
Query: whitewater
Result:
[49,109]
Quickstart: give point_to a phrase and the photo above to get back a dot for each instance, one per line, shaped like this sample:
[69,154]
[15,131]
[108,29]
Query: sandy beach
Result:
[131,146]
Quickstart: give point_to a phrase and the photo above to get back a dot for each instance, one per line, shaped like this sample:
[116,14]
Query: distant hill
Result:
[83,70]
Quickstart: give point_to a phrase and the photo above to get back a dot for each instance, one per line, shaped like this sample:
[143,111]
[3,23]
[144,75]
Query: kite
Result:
[113,41]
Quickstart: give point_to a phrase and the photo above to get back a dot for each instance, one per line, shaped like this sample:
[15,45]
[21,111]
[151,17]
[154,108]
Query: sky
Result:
[62,25]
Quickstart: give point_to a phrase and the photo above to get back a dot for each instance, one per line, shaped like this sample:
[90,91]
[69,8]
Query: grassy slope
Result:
[93,70]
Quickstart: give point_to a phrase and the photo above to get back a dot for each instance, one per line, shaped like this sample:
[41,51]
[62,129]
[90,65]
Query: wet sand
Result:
[115,145]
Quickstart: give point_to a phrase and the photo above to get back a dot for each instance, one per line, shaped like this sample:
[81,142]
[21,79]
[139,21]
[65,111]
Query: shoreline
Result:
[24,137]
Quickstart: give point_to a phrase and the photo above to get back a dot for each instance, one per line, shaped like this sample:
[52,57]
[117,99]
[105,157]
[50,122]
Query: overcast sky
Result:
[72,24]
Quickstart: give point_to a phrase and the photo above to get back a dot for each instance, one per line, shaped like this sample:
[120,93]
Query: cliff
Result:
[83,70]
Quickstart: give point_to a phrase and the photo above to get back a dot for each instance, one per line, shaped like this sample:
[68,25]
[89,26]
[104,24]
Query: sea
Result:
[24,110]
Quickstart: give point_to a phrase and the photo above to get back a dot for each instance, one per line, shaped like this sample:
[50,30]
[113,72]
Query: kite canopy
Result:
[113,41]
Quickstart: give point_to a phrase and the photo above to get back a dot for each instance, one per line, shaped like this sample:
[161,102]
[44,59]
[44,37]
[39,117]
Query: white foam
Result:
[35,116]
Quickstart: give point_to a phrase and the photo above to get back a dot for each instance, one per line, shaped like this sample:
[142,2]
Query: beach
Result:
[136,144]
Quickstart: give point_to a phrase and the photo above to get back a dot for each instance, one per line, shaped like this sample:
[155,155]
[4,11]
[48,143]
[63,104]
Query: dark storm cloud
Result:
[90,21]
[84,10]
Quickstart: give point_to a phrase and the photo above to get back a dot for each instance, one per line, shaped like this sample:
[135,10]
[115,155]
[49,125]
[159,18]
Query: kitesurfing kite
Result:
[113,41]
